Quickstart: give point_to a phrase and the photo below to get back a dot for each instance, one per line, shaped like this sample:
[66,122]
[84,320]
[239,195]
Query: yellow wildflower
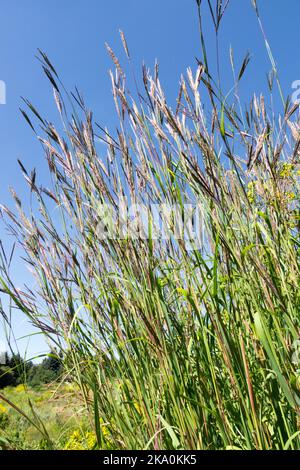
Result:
[3,409]
[287,169]
[290,196]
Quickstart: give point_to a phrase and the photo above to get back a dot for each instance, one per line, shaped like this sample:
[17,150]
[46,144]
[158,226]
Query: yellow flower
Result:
[80,440]
[3,409]
[74,442]
[290,196]
[91,440]
[3,416]
[287,169]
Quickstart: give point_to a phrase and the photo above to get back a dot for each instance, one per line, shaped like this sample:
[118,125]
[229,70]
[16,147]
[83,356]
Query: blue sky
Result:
[73,33]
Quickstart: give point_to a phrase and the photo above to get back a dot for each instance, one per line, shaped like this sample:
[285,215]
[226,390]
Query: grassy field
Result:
[56,411]
[173,344]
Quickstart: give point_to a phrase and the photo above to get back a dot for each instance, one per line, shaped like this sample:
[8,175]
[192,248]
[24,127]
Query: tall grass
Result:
[172,347]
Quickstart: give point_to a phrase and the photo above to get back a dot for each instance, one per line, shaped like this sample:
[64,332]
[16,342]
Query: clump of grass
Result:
[59,410]
[171,347]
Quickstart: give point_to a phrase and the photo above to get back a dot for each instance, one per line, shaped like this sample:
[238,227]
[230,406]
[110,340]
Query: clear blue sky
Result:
[73,33]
